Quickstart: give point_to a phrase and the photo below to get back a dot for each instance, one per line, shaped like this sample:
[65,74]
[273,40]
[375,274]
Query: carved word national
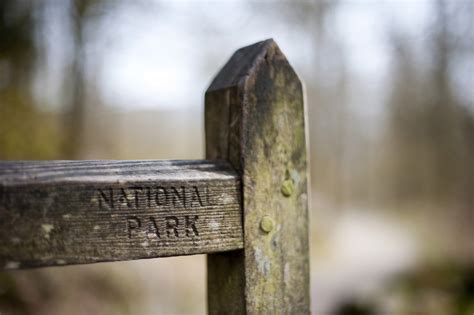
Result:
[136,197]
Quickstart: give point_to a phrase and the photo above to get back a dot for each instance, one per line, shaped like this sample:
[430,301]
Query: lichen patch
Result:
[47,228]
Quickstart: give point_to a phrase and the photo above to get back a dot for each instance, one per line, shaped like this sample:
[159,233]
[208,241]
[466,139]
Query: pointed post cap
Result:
[244,63]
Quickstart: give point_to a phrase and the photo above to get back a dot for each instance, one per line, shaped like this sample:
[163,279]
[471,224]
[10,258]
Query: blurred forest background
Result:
[390,96]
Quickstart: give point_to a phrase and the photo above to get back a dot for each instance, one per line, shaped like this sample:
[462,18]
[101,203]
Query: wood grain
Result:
[72,212]
[255,118]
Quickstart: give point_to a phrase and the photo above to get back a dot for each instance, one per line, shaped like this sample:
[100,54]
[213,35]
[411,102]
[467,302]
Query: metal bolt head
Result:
[287,188]
[266,224]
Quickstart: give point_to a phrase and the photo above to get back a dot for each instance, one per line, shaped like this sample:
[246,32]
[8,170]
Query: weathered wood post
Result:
[249,213]
[255,118]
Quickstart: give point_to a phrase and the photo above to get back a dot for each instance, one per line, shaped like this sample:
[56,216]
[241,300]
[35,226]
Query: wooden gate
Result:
[246,206]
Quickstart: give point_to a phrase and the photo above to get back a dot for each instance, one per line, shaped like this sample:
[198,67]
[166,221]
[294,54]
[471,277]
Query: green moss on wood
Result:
[269,112]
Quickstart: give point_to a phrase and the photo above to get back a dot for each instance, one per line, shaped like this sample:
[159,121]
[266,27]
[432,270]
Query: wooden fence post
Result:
[255,119]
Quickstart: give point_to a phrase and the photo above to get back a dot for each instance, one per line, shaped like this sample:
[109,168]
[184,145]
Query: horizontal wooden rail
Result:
[72,212]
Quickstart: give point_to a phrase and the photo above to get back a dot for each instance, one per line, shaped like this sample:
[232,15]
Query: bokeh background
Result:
[390,96]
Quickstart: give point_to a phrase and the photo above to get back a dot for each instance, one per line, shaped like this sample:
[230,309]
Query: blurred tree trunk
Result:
[75,109]
[430,141]
[25,131]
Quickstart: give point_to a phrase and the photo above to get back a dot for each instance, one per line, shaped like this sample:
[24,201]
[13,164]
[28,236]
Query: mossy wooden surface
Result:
[255,118]
[70,212]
